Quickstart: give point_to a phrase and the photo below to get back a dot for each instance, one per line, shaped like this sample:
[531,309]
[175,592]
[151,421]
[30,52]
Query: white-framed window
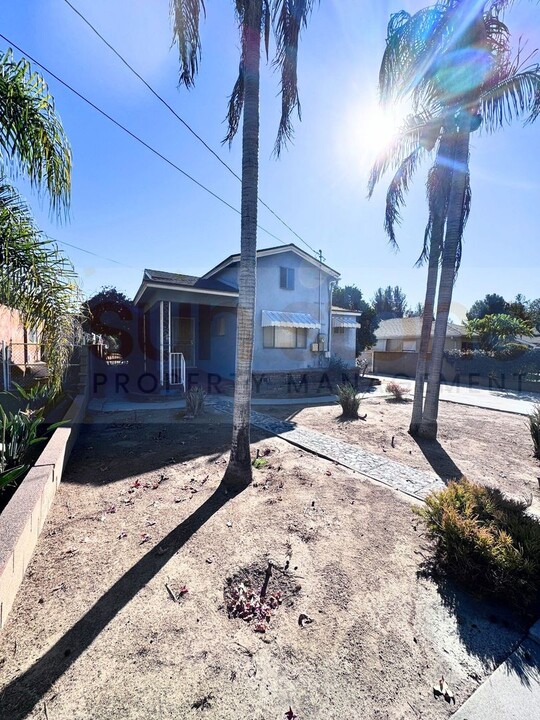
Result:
[339,330]
[221,326]
[286,278]
[409,346]
[284,337]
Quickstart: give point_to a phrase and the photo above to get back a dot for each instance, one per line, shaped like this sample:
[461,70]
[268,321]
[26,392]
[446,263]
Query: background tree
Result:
[533,310]
[35,277]
[111,314]
[492,304]
[349,297]
[255,19]
[416,311]
[389,302]
[496,332]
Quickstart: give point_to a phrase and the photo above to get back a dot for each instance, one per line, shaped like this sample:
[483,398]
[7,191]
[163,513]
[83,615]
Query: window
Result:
[286,278]
[339,331]
[409,346]
[284,337]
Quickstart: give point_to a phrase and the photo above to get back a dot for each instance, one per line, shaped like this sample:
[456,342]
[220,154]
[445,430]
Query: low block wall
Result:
[22,520]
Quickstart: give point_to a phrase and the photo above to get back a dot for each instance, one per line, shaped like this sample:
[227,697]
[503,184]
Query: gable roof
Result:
[278,250]
[396,328]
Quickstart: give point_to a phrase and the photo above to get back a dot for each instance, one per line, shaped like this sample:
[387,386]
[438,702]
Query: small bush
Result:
[195,398]
[485,541]
[397,390]
[534,427]
[347,398]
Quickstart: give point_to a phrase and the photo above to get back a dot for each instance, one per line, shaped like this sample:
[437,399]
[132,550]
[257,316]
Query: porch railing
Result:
[177,369]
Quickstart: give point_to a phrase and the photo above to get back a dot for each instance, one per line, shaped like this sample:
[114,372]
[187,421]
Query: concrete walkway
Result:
[510,401]
[512,692]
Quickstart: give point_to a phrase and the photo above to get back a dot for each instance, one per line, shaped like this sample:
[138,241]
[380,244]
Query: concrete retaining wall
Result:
[22,520]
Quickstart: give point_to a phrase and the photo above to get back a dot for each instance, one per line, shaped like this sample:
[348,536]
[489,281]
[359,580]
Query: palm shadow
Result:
[22,694]
[439,459]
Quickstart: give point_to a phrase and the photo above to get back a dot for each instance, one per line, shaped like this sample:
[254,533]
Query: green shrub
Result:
[485,541]
[347,398]
[534,427]
[195,398]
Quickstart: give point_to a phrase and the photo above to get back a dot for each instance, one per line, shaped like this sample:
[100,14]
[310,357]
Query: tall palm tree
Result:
[255,18]
[35,278]
[453,61]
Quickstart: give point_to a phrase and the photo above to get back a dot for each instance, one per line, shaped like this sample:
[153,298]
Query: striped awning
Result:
[344,321]
[272,318]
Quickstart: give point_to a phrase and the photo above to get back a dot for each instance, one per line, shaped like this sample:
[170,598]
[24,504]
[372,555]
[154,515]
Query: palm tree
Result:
[255,18]
[454,63]
[35,278]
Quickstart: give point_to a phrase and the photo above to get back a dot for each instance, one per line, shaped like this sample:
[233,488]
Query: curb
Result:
[24,516]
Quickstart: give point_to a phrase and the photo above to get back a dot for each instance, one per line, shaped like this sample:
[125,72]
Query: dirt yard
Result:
[123,613]
[484,445]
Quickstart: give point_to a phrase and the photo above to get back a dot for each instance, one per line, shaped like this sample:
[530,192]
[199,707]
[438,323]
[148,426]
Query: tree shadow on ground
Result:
[488,630]
[24,692]
[116,446]
[439,459]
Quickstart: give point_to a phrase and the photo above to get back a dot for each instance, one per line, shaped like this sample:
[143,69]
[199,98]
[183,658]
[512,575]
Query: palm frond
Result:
[37,280]
[186,16]
[395,196]
[289,16]
[32,139]
[421,129]
[511,98]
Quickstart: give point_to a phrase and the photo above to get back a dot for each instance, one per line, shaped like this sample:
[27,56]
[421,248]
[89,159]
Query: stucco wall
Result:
[344,345]
[304,298]
[222,347]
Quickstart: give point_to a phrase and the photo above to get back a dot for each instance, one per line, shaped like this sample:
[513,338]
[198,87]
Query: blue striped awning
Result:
[344,321]
[272,318]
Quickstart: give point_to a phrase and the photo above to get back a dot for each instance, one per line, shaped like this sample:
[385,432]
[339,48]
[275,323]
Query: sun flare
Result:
[367,131]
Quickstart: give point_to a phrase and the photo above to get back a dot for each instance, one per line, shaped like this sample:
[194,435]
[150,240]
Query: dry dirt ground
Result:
[122,614]
[486,446]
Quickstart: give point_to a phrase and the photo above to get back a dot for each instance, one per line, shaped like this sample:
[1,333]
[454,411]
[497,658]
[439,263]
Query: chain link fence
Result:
[25,364]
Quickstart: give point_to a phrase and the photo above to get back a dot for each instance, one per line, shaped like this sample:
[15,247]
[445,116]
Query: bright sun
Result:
[366,131]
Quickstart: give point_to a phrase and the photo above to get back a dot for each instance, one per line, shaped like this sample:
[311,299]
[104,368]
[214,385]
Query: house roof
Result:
[411,328]
[345,311]
[291,247]
[180,280]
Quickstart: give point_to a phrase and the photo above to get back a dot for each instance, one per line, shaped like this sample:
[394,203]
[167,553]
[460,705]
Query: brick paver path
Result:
[400,477]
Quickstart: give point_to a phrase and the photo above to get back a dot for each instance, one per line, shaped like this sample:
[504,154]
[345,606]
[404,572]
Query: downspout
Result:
[331,286]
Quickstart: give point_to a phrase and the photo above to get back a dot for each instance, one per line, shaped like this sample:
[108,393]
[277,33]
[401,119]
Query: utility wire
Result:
[133,135]
[89,252]
[184,123]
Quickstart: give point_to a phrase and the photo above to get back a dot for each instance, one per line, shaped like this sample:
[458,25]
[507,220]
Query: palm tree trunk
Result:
[238,473]
[454,231]
[437,234]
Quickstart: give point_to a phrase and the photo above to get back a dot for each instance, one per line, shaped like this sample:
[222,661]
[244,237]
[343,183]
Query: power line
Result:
[134,136]
[89,252]
[184,123]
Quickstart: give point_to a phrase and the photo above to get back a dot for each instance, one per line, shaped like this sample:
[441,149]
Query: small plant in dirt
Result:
[397,391]
[255,593]
[534,427]
[485,541]
[349,400]
[195,398]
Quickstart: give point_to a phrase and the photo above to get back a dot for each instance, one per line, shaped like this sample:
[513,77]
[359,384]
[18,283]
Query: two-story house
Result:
[190,321]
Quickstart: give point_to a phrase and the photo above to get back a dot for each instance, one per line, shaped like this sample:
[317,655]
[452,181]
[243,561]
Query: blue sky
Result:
[130,206]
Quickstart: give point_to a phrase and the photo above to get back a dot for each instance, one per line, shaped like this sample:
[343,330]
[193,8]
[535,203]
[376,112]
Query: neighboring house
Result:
[403,335]
[191,321]
[24,344]
[398,342]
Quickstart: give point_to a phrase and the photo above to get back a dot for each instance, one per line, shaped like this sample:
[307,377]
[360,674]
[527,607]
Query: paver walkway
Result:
[400,477]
